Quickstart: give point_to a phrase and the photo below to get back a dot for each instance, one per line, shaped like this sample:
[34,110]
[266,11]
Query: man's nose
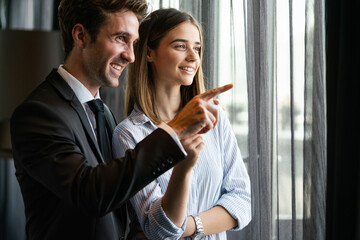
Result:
[128,54]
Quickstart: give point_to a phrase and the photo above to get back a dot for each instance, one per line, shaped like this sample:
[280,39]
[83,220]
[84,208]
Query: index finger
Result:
[215,91]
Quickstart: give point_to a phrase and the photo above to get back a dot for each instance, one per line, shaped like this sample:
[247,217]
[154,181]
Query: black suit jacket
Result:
[68,191]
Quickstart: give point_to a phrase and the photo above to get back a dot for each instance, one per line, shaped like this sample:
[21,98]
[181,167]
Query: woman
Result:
[211,186]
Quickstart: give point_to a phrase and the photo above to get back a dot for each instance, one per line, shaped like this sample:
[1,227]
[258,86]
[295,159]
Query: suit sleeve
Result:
[45,147]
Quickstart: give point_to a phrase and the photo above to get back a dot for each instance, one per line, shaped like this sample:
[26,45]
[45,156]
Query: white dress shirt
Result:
[82,93]
[219,178]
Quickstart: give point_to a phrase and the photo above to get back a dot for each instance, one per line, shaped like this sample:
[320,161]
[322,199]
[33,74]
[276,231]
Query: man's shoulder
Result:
[45,88]
[46,95]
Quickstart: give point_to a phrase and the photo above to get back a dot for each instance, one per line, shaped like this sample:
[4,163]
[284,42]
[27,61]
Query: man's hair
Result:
[92,14]
[140,89]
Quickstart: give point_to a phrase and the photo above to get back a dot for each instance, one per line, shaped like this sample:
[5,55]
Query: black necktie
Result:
[97,107]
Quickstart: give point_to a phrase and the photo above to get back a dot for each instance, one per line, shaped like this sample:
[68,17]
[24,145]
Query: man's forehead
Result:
[123,21]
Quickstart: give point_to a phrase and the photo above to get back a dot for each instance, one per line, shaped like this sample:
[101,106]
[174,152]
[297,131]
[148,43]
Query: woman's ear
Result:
[79,35]
[149,54]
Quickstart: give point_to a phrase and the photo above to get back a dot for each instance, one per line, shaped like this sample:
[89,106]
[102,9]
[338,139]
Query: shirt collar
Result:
[81,92]
[137,117]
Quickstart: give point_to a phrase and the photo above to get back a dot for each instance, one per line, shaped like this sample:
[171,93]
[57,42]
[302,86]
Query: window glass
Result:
[156,4]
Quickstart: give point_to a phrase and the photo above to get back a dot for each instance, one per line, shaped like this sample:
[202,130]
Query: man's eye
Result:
[120,38]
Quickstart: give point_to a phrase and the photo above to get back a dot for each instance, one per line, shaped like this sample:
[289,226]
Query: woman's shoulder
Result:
[134,124]
[123,125]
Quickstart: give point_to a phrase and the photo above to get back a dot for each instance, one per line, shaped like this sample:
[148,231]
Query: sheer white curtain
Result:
[287,160]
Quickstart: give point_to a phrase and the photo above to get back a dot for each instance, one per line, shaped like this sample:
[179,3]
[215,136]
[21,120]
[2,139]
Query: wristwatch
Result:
[199,233]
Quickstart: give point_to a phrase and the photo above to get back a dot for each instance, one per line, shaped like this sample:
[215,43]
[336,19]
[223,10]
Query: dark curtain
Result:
[343,98]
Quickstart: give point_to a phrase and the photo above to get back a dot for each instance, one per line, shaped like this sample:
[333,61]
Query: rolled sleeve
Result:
[157,225]
[238,208]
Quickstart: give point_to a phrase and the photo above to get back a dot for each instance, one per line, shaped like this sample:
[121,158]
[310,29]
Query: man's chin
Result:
[113,84]
[112,81]
[110,85]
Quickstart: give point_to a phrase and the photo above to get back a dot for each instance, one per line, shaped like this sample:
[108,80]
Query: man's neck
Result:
[76,70]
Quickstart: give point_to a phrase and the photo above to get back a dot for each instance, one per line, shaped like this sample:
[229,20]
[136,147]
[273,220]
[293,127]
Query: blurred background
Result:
[293,108]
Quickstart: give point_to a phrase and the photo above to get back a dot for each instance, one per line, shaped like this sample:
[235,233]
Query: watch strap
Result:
[199,226]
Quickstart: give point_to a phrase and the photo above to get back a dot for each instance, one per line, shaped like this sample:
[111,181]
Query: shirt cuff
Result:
[172,133]
[164,224]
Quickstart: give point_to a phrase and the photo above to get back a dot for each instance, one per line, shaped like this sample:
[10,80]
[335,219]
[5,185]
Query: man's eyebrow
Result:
[128,35]
[121,34]
[184,41]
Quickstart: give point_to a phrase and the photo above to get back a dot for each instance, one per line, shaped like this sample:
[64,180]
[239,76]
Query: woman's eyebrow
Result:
[184,40]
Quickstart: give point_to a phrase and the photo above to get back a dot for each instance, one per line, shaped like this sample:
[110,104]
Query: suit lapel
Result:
[65,90]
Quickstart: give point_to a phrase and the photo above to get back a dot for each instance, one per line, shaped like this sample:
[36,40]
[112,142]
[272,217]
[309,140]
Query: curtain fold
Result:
[314,210]
[260,67]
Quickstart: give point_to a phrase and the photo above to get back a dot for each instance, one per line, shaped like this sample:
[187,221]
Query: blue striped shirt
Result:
[218,178]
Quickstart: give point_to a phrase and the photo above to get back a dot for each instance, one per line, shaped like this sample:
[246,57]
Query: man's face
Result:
[106,58]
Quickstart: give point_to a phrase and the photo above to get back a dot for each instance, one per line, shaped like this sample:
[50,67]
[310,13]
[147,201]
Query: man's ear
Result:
[150,54]
[79,35]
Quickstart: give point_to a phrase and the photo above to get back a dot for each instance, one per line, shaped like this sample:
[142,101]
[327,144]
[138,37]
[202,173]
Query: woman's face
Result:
[177,59]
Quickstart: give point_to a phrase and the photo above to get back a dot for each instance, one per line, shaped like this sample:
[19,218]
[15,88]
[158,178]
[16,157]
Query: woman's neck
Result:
[167,102]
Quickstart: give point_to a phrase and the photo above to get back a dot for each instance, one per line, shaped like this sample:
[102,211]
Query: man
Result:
[70,189]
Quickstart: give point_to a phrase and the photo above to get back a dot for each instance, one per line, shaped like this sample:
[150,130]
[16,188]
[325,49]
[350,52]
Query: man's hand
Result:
[193,146]
[199,115]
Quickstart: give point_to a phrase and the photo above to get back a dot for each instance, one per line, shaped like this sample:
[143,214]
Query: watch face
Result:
[199,236]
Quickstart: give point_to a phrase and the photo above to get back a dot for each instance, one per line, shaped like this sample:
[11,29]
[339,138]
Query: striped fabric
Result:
[219,178]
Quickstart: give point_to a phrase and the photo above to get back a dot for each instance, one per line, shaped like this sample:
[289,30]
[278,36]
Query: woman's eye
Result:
[197,49]
[181,46]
